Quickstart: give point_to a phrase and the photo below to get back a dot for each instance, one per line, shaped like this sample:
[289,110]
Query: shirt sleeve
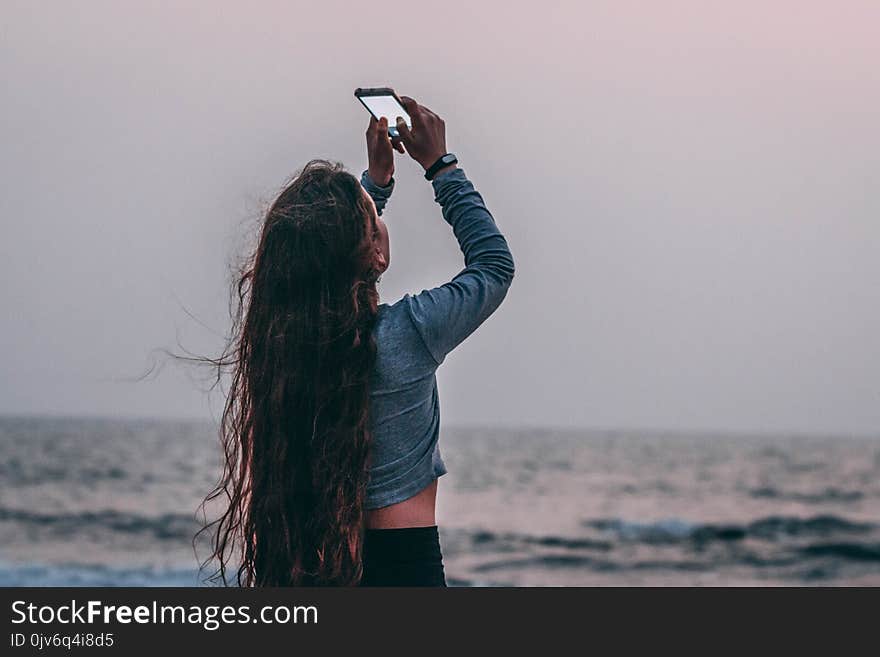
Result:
[444,316]
[380,195]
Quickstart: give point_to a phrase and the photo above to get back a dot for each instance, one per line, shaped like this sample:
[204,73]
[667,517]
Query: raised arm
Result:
[446,315]
[380,195]
[378,179]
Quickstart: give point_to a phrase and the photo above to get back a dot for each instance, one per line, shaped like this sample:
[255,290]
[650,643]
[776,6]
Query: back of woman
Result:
[331,429]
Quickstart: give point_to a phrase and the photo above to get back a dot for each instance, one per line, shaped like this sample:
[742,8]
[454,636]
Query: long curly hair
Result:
[295,429]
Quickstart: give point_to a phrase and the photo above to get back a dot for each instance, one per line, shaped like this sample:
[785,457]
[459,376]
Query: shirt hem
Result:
[403,494]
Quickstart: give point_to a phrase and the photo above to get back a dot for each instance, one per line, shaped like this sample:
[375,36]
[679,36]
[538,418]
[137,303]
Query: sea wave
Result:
[826,496]
[94,575]
[769,528]
[168,526]
[811,548]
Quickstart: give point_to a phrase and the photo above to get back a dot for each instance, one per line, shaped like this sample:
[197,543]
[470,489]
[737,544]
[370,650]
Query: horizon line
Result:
[501,426]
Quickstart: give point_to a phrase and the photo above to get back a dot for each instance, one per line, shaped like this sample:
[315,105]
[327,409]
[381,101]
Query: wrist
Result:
[380,179]
[444,171]
[442,163]
[428,161]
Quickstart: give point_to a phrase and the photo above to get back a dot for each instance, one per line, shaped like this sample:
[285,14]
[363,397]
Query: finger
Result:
[432,116]
[382,126]
[413,109]
[405,134]
[398,146]
[373,127]
[384,134]
[430,113]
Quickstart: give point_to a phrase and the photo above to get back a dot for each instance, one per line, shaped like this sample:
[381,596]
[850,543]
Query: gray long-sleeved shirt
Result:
[415,334]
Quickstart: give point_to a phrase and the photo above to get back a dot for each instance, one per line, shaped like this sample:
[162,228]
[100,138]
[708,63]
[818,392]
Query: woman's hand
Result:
[426,142]
[379,152]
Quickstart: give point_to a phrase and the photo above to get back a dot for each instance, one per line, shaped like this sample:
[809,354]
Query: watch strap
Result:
[442,162]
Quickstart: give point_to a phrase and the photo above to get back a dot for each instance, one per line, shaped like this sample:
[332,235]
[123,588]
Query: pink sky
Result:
[690,190]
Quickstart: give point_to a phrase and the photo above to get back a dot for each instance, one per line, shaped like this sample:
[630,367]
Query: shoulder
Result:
[394,321]
[406,316]
[399,342]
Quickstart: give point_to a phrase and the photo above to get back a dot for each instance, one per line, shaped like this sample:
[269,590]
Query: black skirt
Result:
[403,557]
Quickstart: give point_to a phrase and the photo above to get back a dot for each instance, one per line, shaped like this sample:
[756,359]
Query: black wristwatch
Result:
[443,162]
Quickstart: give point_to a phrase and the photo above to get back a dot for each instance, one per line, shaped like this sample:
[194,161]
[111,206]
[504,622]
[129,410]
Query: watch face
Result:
[448,158]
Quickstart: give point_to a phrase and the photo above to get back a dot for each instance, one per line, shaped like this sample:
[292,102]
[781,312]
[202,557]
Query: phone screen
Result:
[388,107]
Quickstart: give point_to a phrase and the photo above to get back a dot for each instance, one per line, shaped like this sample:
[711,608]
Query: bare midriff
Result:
[417,511]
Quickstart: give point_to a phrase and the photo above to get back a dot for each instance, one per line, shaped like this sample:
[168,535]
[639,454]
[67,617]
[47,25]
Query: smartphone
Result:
[382,101]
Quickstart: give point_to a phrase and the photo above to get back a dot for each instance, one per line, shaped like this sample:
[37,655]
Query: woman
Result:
[331,426]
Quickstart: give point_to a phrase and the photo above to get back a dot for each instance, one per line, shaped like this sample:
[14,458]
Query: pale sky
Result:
[691,191]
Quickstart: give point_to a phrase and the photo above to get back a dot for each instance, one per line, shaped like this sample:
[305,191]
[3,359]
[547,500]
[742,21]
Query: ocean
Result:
[100,502]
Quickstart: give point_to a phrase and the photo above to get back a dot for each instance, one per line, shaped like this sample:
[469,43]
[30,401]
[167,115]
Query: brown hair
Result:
[295,427]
